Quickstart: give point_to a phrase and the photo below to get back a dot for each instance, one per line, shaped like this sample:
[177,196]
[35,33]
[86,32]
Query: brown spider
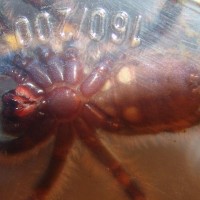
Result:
[54,96]
[54,92]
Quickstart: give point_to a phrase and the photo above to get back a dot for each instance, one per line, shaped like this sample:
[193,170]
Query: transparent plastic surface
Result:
[99,99]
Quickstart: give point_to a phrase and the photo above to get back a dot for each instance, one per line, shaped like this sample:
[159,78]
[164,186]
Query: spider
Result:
[54,96]
[60,94]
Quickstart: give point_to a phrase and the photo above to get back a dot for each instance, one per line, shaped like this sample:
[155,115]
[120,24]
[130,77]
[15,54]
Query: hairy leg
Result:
[94,115]
[34,136]
[62,146]
[89,138]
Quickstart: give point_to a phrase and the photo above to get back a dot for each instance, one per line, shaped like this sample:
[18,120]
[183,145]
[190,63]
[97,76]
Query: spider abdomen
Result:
[154,96]
[63,103]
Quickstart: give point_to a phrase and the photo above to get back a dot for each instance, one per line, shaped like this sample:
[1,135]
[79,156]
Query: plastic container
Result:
[99,99]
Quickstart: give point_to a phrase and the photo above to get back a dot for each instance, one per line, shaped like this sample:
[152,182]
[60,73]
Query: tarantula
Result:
[54,96]
[53,89]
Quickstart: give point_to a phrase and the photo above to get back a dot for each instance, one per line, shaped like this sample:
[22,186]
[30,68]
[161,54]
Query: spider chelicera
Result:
[53,92]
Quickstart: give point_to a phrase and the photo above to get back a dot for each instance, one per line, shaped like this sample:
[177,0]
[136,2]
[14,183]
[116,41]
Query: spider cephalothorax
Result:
[53,85]
[54,94]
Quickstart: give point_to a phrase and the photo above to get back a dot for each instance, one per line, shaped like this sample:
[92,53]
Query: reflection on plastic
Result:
[79,81]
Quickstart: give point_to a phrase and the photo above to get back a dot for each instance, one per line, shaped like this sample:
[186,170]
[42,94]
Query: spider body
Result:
[144,97]
[54,89]
[52,85]
[63,103]
[62,99]
[54,94]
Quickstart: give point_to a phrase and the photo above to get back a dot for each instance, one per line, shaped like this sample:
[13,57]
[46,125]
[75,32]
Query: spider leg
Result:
[87,136]
[73,70]
[31,137]
[34,69]
[98,76]
[20,77]
[94,115]
[62,146]
[53,62]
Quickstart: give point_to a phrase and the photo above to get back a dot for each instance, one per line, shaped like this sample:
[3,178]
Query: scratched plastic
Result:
[99,99]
